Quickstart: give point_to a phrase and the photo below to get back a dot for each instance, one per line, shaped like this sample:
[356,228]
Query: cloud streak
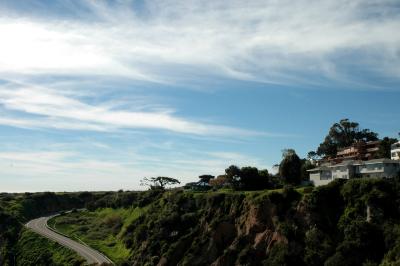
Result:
[267,41]
[49,109]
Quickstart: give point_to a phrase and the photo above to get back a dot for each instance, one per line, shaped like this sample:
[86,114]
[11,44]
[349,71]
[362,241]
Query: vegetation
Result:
[246,178]
[206,178]
[343,134]
[159,182]
[17,209]
[35,250]
[290,167]
[101,229]
[343,223]
[385,147]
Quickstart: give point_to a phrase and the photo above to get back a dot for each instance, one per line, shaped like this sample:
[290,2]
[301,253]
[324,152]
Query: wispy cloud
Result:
[90,70]
[173,41]
[47,108]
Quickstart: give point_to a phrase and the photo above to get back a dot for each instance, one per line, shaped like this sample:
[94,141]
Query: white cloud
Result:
[271,41]
[51,109]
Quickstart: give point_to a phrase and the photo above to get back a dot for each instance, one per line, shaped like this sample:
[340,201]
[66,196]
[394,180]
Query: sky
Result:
[96,95]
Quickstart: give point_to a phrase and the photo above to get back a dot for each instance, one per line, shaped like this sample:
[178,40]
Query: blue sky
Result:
[95,95]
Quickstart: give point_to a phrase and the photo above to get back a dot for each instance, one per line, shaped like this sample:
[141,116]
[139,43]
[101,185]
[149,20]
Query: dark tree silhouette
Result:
[385,147]
[158,182]
[206,178]
[344,134]
[290,168]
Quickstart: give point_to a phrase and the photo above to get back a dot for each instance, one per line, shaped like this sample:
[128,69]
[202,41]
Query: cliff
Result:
[344,223]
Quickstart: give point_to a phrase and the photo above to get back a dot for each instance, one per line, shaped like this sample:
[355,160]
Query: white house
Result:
[395,151]
[377,168]
[320,176]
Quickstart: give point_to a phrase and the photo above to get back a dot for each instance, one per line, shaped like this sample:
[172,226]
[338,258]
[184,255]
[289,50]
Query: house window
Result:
[374,166]
[326,175]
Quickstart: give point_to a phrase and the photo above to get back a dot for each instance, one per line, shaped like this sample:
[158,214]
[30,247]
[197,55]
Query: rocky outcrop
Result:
[255,225]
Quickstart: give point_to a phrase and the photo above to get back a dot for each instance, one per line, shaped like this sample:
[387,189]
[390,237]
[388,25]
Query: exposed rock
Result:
[266,240]
[163,262]
[257,219]
[276,238]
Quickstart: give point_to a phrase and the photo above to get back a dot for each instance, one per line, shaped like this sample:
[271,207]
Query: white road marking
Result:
[39,226]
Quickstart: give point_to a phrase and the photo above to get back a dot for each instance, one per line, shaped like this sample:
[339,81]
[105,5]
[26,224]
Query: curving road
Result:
[92,256]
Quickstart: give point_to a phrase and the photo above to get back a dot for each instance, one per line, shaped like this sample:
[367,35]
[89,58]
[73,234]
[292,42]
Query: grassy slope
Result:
[36,250]
[101,229]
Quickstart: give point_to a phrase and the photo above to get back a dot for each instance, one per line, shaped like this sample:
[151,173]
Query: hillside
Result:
[344,223]
[35,250]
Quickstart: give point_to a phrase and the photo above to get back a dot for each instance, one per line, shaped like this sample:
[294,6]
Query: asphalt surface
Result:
[92,256]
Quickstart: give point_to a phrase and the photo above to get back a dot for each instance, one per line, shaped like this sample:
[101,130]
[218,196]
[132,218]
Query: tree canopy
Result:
[247,177]
[206,178]
[290,167]
[385,147]
[159,182]
[343,134]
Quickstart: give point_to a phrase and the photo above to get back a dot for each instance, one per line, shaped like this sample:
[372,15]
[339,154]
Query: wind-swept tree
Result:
[159,182]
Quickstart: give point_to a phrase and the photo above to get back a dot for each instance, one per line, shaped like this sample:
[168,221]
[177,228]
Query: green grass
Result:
[102,229]
[36,250]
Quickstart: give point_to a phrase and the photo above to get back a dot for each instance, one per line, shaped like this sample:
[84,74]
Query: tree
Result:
[264,173]
[312,155]
[247,177]
[220,181]
[290,168]
[344,134]
[158,182]
[251,179]
[206,178]
[306,165]
[385,147]
[318,247]
[233,174]
[286,152]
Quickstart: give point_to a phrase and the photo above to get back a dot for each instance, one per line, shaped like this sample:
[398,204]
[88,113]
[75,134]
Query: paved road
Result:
[92,256]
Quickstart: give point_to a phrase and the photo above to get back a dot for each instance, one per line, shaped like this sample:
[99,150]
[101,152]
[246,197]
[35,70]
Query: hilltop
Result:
[344,223]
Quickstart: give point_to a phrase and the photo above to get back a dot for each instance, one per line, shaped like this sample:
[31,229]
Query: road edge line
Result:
[83,243]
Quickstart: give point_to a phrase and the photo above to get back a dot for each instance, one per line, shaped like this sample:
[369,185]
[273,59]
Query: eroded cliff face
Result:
[344,223]
[255,226]
[226,229]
